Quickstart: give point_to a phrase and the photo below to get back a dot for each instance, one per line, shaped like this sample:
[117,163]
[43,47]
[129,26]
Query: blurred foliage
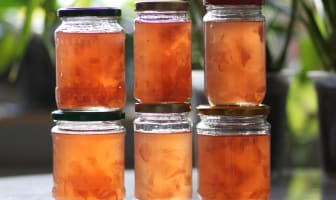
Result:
[302,121]
[13,42]
[281,17]
[197,11]
[309,57]
[319,18]
[283,30]
[316,46]
[302,108]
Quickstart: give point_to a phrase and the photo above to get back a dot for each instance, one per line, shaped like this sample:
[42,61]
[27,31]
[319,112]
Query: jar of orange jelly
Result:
[233,153]
[162,52]
[234,52]
[90,71]
[163,152]
[88,155]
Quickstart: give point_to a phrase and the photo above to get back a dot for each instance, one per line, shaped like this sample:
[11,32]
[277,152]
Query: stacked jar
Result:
[233,152]
[163,151]
[162,87]
[88,139]
[233,135]
[88,155]
[234,52]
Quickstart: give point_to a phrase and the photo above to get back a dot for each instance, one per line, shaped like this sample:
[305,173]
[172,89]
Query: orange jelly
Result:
[163,165]
[234,167]
[235,62]
[162,62]
[88,166]
[90,71]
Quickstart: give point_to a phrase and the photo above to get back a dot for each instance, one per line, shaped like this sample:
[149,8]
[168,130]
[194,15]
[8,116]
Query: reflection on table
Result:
[303,184]
[299,184]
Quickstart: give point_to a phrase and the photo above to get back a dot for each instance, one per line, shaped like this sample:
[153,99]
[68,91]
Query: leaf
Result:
[278,6]
[281,61]
[24,36]
[7,49]
[308,56]
[302,109]
[83,3]
[12,3]
[275,64]
[316,35]
[330,11]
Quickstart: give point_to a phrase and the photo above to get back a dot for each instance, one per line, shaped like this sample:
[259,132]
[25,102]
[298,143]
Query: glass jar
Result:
[90,71]
[233,153]
[163,152]
[88,155]
[234,52]
[162,52]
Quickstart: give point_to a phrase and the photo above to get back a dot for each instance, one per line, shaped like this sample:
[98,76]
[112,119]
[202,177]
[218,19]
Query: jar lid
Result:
[233,110]
[162,5]
[87,115]
[234,2]
[90,11]
[162,108]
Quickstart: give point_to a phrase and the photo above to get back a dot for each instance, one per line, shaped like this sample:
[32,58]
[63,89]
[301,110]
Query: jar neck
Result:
[90,24]
[163,16]
[234,12]
[89,19]
[221,125]
[234,119]
[89,126]
[162,123]
[163,117]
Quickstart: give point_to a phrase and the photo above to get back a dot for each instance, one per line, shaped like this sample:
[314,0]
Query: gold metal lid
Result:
[162,108]
[162,5]
[233,110]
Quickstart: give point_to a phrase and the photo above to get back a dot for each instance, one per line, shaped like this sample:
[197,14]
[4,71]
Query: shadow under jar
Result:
[233,153]
[162,52]
[234,52]
[90,71]
[88,155]
[163,152]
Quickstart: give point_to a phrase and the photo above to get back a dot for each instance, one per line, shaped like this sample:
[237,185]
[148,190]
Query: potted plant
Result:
[319,19]
[280,24]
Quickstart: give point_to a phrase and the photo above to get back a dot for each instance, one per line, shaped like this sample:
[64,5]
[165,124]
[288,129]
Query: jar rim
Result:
[161,6]
[87,115]
[162,108]
[89,11]
[234,110]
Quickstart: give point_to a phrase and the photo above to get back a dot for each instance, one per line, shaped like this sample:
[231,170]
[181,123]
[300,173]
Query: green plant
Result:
[319,19]
[277,28]
[13,43]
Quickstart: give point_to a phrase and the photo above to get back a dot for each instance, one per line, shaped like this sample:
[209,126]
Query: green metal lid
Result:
[233,110]
[89,11]
[87,115]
